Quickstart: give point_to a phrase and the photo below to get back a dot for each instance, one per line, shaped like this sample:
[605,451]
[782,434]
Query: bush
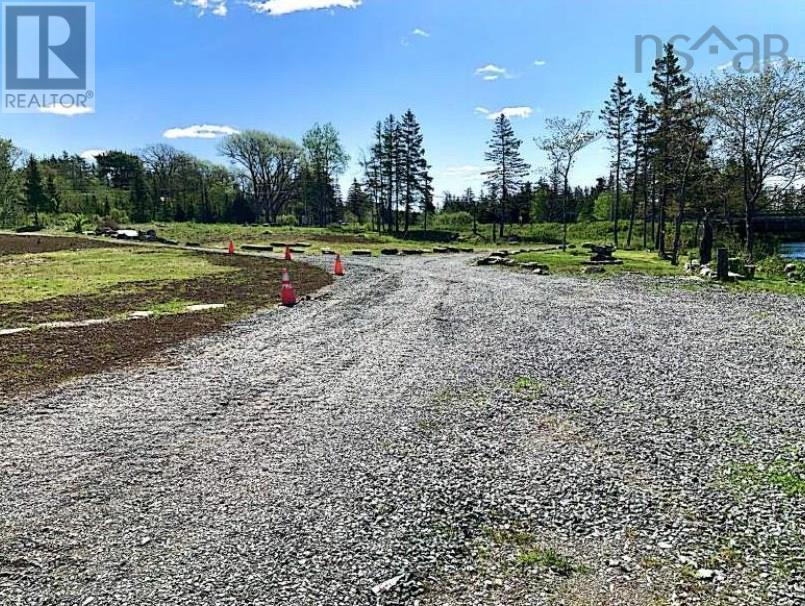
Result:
[453,221]
[287,221]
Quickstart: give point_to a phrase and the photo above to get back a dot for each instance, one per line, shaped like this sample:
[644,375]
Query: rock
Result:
[501,253]
[258,247]
[127,234]
[706,272]
[534,265]
[790,268]
[541,272]
[594,269]
[390,252]
[453,250]
[440,250]
[489,261]
[141,315]
[467,250]
[193,244]
[413,251]
[705,574]
[207,307]
[386,585]
[327,251]
[361,253]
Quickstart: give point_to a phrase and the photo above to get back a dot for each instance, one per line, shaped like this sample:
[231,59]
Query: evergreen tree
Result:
[413,165]
[53,194]
[36,199]
[672,92]
[509,167]
[618,117]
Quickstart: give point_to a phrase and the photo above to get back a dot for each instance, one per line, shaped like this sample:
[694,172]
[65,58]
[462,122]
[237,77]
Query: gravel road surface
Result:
[428,433]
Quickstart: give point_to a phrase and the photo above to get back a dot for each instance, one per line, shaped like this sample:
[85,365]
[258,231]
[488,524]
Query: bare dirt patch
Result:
[42,358]
[17,245]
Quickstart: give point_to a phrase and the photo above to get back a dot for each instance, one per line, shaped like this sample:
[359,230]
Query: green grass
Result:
[29,278]
[528,386]
[785,475]
[572,261]
[547,558]
[219,235]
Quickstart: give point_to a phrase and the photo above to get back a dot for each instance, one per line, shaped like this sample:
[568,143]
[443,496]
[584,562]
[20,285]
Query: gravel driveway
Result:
[428,433]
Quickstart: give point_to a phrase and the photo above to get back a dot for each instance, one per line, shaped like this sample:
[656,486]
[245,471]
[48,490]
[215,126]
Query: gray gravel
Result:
[425,434]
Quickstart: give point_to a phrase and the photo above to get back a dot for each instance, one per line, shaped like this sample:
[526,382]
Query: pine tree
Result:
[618,117]
[509,167]
[644,128]
[36,199]
[413,165]
[672,91]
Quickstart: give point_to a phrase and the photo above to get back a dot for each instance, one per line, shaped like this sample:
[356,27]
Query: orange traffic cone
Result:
[339,266]
[288,294]
[288,256]
[231,247]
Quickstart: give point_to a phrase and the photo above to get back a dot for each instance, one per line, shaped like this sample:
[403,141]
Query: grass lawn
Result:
[342,241]
[647,263]
[572,261]
[80,282]
[36,277]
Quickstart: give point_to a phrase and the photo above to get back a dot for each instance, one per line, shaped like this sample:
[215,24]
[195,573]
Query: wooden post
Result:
[723,268]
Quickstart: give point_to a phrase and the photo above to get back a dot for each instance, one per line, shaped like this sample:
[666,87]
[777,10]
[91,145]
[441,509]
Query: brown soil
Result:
[16,245]
[42,358]
[256,285]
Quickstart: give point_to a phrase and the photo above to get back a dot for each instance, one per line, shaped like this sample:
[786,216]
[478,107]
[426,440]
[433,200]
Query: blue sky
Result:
[281,65]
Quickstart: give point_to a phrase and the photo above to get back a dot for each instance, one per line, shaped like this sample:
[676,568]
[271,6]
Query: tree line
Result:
[269,179]
[708,151]
[714,151]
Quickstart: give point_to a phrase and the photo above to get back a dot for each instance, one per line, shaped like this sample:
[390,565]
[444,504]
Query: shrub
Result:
[287,220]
[454,221]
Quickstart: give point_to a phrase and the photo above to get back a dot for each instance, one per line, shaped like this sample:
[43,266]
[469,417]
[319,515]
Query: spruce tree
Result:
[509,168]
[618,117]
[36,199]
[672,92]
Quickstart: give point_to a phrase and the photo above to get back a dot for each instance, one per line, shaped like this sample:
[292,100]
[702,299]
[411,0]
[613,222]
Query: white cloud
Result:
[91,154]
[540,62]
[66,110]
[493,72]
[284,7]
[216,7]
[481,110]
[420,32]
[520,111]
[199,131]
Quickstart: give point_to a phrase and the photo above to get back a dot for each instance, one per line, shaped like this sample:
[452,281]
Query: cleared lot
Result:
[434,432]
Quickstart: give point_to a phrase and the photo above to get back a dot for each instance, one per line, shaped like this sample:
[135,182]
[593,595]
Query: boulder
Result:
[540,271]
[790,268]
[193,244]
[533,266]
[413,251]
[491,260]
[390,252]
[706,272]
[327,251]
[361,253]
[258,247]
[439,251]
